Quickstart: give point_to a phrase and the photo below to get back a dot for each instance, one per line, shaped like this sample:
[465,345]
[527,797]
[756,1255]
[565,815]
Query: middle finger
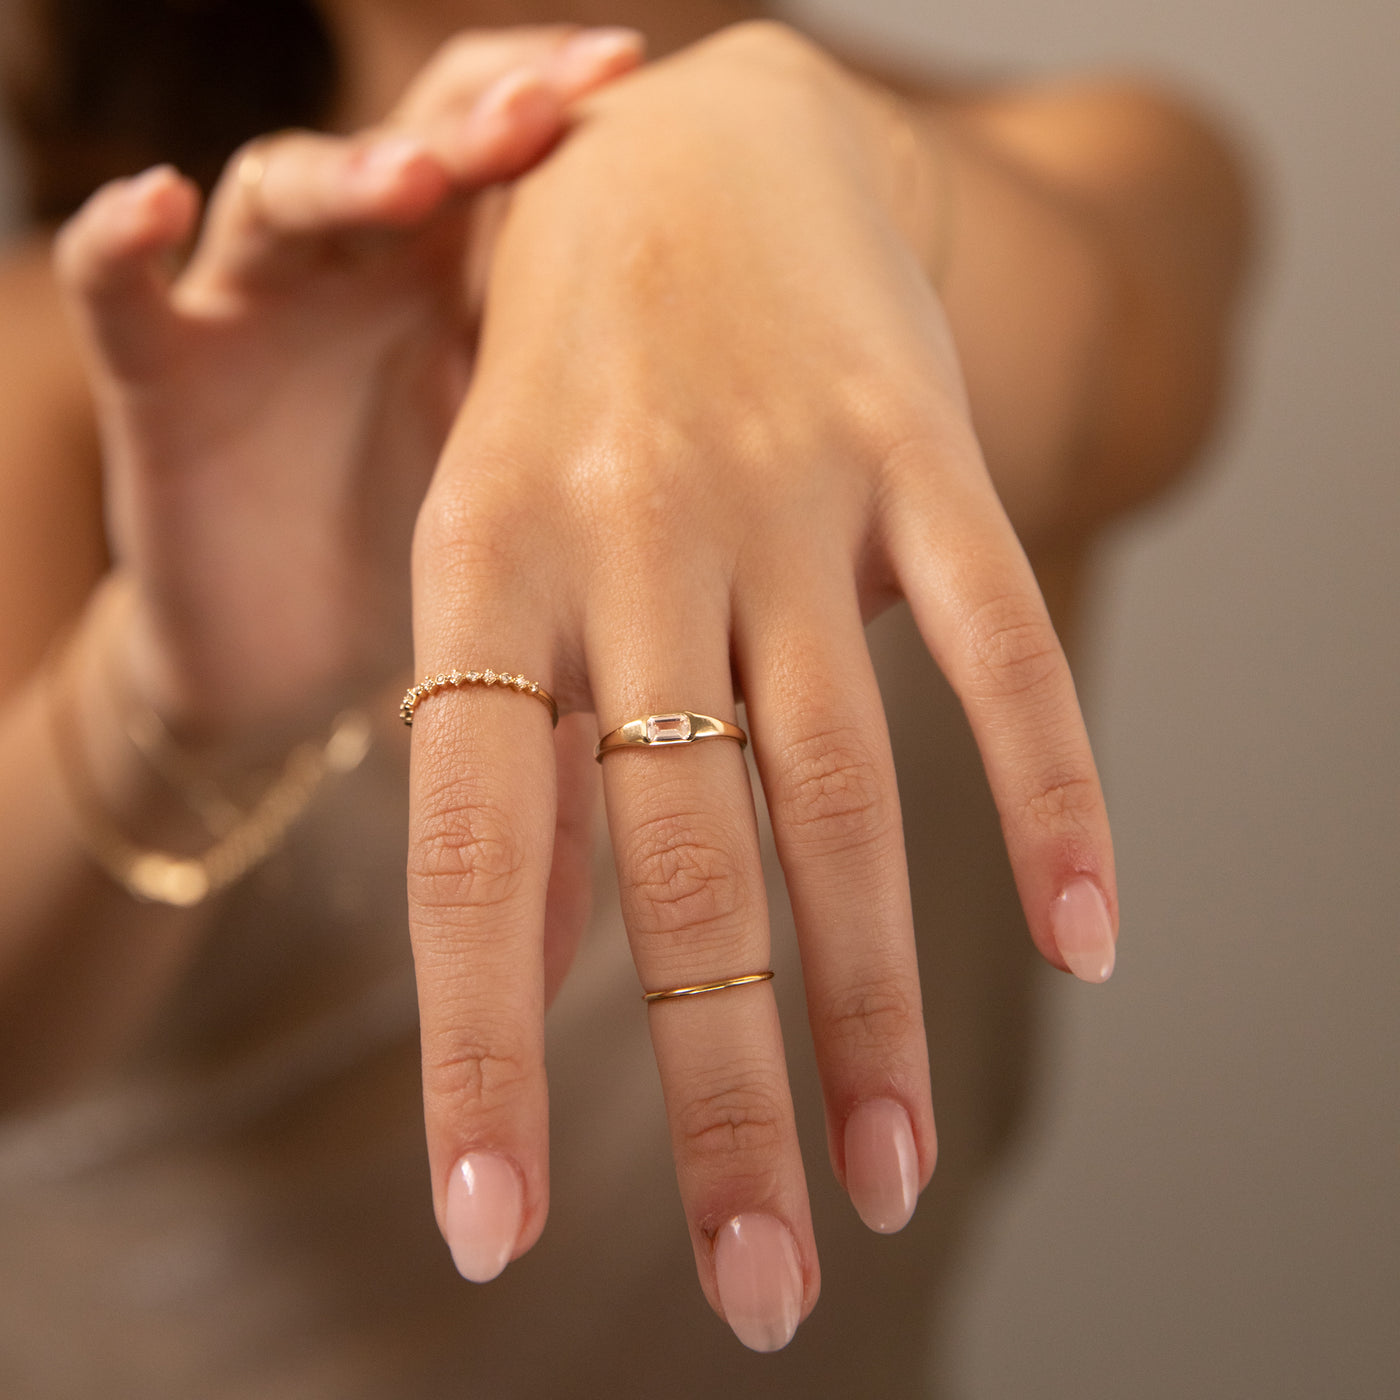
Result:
[685,836]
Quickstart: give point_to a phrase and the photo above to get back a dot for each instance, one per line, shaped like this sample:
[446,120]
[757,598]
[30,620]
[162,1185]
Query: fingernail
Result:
[485,1203]
[596,46]
[759,1277]
[504,93]
[387,158]
[1083,932]
[135,191]
[882,1165]
[148,179]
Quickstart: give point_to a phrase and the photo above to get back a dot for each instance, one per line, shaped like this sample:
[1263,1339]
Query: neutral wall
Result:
[1208,1204]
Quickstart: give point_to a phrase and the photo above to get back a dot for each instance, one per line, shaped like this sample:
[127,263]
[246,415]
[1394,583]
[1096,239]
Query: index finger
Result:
[482,816]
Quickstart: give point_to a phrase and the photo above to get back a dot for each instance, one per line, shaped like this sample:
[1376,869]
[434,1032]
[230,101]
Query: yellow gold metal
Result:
[682,727]
[456,679]
[700,988]
[162,877]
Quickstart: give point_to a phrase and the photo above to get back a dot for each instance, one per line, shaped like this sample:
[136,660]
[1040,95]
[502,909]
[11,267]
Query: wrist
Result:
[169,825]
[175,736]
[233,724]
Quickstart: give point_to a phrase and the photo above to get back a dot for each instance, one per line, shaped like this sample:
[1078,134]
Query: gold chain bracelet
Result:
[163,877]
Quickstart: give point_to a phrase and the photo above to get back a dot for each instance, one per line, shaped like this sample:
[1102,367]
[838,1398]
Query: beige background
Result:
[1207,1203]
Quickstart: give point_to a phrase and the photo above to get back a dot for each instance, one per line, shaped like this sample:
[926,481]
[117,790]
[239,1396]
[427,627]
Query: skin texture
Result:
[765,347]
[773,478]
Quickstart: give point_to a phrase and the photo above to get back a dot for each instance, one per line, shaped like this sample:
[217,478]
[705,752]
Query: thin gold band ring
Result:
[700,988]
[683,727]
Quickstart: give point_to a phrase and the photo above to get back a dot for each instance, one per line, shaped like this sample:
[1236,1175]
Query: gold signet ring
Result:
[681,728]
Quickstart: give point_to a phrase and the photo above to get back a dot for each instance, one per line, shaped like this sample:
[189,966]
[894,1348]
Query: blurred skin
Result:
[766,346]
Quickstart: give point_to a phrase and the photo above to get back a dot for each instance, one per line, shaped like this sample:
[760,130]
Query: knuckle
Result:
[1066,796]
[466,854]
[871,1020]
[740,1121]
[831,797]
[630,489]
[677,876]
[1012,647]
[765,38]
[476,1074]
[470,532]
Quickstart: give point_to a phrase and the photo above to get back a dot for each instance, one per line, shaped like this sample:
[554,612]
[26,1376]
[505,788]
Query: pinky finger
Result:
[113,265]
[979,608]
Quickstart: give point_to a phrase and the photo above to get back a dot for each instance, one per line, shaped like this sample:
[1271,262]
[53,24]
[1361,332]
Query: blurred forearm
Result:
[1099,235]
[82,963]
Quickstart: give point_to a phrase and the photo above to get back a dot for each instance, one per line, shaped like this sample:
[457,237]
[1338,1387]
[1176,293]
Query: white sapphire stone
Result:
[668,729]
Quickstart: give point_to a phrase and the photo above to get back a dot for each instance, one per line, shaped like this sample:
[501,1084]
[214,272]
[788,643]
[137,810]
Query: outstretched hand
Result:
[717,422]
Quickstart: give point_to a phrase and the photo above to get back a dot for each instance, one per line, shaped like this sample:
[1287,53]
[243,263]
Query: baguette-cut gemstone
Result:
[668,729]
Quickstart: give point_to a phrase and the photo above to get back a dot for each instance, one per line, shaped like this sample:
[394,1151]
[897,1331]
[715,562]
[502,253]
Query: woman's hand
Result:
[271,413]
[717,422]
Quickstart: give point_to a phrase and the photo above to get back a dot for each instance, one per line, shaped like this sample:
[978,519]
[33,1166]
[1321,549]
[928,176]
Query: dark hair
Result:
[100,88]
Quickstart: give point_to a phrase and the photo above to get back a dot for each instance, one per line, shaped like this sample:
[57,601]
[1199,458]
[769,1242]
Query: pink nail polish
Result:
[383,162]
[595,48]
[502,95]
[882,1164]
[759,1276]
[1083,932]
[485,1203]
[138,186]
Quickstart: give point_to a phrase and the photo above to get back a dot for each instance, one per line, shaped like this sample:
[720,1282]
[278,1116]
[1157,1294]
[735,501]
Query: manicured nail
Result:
[760,1280]
[882,1165]
[597,47]
[485,1202]
[1083,932]
[140,185]
[132,196]
[504,93]
[383,162]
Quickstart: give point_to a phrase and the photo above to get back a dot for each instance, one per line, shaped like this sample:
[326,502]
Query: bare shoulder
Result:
[51,538]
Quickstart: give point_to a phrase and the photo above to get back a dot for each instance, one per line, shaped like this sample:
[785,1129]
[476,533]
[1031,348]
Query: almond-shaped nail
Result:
[882,1164]
[132,196]
[597,48]
[383,162]
[503,95]
[485,1203]
[138,186]
[759,1276]
[1083,931]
